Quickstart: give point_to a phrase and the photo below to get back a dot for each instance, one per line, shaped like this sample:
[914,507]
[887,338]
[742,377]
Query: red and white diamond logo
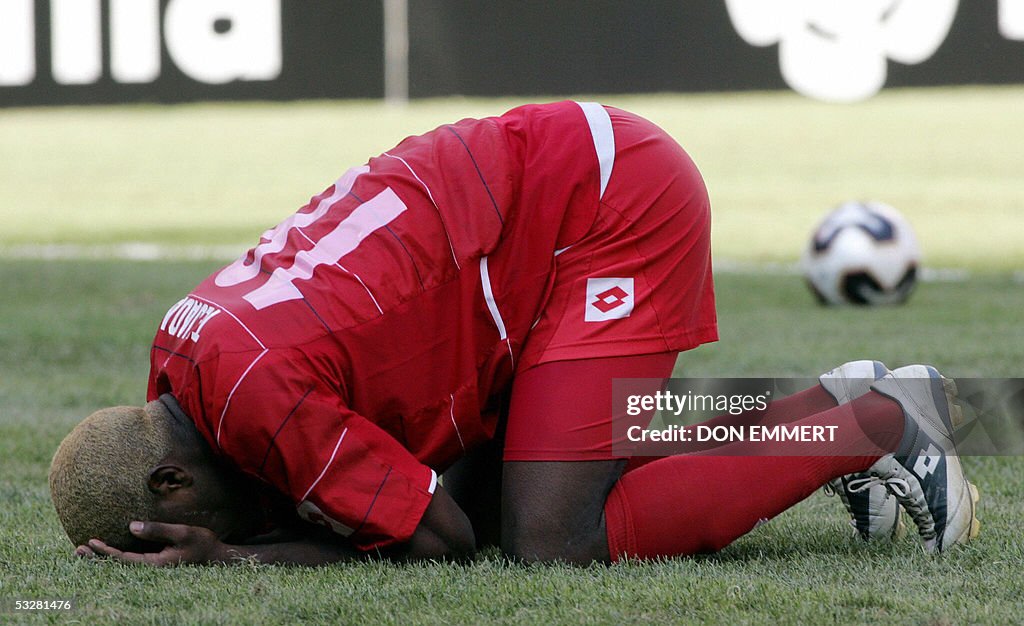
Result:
[608,299]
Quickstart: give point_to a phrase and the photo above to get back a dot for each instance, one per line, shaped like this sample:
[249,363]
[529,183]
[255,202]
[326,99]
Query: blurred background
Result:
[87,51]
[242,109]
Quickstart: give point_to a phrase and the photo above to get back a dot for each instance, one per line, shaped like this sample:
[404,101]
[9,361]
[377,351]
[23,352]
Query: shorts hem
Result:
[619,347]
[560,455]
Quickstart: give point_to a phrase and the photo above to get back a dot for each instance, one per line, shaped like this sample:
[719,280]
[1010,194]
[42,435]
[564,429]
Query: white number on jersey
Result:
[371,215]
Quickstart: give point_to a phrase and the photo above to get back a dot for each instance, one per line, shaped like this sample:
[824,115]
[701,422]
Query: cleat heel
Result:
[956,412]
[949,386]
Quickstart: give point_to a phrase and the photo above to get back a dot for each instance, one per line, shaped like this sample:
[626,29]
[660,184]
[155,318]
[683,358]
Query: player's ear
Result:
[164,479]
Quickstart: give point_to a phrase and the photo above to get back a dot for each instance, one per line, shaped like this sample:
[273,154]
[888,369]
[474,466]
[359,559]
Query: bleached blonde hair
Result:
[99,474]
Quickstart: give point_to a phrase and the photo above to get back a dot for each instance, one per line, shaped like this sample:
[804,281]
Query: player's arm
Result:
[443,533]
[184,544]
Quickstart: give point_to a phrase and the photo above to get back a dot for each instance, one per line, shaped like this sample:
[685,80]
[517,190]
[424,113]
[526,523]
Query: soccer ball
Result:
[862,253]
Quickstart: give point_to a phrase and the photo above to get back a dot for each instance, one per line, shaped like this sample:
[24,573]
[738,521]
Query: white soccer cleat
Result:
[925,473]
[852,380]
[874,512]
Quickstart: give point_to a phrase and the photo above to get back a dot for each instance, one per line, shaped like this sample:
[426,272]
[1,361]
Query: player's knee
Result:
[541,541]
[554,511]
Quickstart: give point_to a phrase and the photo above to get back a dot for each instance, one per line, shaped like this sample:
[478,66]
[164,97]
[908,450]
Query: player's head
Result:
[130,463]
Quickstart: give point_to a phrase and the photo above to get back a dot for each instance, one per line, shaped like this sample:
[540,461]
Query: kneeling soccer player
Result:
[476,287]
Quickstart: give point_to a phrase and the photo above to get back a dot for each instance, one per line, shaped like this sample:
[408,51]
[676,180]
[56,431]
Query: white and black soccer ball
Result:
[862,253]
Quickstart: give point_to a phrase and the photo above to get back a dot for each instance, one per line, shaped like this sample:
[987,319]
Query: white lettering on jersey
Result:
[187,317]
[171,311]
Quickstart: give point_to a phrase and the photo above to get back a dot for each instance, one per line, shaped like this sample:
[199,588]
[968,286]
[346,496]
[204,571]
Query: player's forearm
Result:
[424,546]
[444,532]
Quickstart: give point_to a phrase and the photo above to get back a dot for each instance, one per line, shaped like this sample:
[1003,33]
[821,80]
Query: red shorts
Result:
[638,283]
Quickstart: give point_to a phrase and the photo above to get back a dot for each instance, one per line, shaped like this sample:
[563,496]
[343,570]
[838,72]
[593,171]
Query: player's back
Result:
[407,287]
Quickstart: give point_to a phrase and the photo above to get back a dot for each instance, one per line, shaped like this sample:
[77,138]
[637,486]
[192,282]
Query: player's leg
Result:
[830,393]
[579,509]
[702,502]
[913,414]
[554,510]
[639,281]
[874,512]
[559,466]
[474,482]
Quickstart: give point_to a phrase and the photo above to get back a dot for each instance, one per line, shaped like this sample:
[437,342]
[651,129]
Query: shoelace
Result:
[898,486]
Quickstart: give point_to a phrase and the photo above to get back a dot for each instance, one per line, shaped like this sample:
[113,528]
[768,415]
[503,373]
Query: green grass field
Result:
[74,335]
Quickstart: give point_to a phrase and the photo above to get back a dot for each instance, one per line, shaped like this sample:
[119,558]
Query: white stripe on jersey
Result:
[238,382]
[323,472]
[492,306]
[604,139]
[433,481]
[451,412]
[432,201]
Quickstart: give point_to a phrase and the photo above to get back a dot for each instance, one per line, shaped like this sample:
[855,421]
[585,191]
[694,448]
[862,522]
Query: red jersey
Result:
[358,349]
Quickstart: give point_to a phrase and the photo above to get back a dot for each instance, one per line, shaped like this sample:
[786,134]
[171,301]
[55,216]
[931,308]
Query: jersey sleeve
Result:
[341,470]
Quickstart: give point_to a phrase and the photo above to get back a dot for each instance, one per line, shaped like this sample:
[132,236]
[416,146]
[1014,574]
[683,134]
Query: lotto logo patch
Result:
[927,461]
[608,299]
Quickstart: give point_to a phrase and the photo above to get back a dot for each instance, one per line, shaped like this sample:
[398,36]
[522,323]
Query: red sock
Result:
[697,503]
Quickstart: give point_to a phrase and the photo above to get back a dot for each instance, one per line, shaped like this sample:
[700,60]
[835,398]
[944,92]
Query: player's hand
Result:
[184,544]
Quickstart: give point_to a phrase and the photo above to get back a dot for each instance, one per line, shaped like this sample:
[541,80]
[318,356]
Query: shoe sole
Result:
[975,522]
[956,419]
[950,402]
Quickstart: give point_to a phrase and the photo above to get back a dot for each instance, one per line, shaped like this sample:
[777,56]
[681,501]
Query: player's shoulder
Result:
[564,122]
[559,109]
